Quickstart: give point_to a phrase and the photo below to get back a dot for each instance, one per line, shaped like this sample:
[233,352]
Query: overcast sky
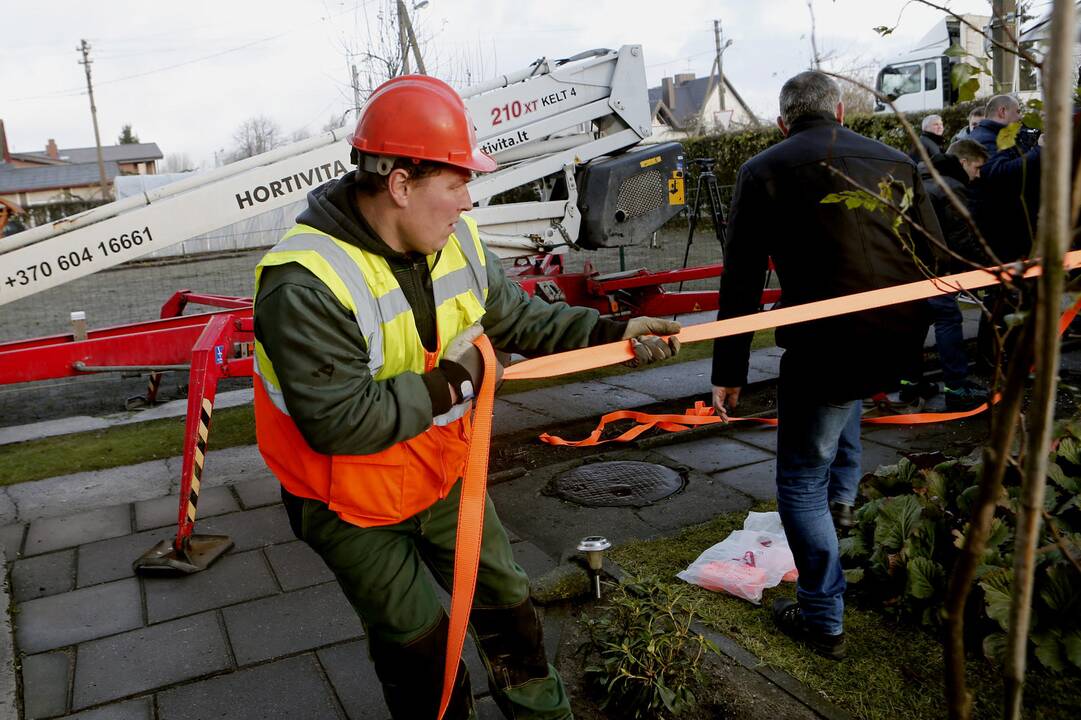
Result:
[186,74]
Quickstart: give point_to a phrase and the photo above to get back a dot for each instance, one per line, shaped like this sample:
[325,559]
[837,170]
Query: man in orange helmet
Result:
[365,316]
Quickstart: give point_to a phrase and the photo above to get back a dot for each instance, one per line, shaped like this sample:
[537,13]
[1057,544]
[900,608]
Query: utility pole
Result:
[720,60]
[356,90]
[403,44]
[84,48]
[1004,32]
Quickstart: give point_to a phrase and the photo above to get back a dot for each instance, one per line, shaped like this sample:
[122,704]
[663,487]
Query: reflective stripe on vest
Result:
[459,278]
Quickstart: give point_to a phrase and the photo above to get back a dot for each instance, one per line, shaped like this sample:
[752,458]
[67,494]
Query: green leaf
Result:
[1071,643]
[883,30]
[854,575]
[968,89]
[897,518]
[1049,651]
[1032,120]
[1070,449]
[925,577]
[832,198]
[853,547]
[956,51]
[1060,590]
[1007,136]
[1058,476]
[996,595]
[994,647]
[998,533]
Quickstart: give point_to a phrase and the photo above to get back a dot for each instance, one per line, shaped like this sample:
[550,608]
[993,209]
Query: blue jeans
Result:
[818,461]
[949,338]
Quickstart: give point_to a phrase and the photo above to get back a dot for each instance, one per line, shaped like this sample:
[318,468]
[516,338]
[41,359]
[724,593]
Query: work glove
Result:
[462,363]
[647,346]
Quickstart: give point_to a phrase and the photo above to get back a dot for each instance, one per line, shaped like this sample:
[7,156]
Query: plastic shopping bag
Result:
[747,561]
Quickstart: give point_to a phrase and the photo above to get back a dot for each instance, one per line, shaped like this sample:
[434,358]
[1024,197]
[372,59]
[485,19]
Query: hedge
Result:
[732,149]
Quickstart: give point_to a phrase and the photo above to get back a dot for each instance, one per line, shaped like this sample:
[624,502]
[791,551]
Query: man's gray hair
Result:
[808,93]
[930,120]
[998,102]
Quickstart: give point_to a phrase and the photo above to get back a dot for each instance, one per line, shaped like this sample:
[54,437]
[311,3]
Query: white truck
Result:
[922,78]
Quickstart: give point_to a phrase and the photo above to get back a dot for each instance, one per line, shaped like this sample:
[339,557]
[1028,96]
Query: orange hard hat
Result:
[419,117]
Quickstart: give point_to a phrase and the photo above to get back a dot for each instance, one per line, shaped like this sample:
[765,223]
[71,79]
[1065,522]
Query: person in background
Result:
[959,167]
[820,250]
[930,137]
[974,118]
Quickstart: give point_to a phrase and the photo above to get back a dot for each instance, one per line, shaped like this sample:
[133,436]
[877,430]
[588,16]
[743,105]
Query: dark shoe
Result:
[843,514]
[966,396]
[912,392]
[789,619]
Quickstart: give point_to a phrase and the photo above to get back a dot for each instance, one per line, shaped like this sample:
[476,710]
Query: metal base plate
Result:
[197,554]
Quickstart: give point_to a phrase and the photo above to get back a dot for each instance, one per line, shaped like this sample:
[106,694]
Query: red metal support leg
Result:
[189,553]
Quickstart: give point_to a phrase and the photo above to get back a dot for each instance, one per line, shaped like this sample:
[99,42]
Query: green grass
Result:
[118,445]
[893,670]
[156,439]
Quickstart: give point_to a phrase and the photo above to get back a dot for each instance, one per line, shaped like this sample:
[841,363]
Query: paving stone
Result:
[137,709]
[45,684]
[556,526]
[147,658]
[11,538]
[352,674]
[532,559]
[47,534]
[712,454]
[296,565]
[43,575]
[56,496]
[667,381]
[259,492]
[488,710]
[875,455]
[59,620]
[162,511]
[763,436]
[231,579]
[287,689]
[9,512]
[509,417]
[701,499]
[230,466]
[953,438]
[758,481]
[111,559]
[574,401]
[252,528]
[291,622]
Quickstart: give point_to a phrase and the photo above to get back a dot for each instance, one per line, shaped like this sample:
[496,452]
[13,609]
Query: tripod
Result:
[706,182]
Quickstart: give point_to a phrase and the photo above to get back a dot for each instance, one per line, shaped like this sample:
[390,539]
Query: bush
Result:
[646,658]
[732,149]
[913,524]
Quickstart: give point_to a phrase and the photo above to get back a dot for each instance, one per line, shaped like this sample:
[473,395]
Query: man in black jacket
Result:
[820,251]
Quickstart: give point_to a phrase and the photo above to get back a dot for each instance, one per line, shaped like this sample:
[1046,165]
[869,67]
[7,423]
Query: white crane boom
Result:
[546,120]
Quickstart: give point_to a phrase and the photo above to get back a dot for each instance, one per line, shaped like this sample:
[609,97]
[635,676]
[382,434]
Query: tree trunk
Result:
[1052,238]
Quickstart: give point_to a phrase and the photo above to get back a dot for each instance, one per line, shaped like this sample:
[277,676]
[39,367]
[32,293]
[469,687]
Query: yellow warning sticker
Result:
[650,161]
[675,188]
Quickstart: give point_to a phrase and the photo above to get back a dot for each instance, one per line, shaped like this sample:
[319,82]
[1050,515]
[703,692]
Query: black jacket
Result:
[955,229]
[932,143]
[823,251]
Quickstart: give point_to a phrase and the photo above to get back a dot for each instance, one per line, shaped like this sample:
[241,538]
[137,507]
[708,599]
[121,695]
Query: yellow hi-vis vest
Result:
[389,486]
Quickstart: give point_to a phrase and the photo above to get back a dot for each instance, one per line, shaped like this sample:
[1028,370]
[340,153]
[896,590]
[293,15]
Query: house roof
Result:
[132,152]
[690,96]
[53,177]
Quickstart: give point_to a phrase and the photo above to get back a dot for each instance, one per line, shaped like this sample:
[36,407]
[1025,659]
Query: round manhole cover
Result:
[617,484]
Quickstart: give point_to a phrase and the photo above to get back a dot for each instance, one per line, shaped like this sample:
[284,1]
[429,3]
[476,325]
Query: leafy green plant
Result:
[913,523]
[644,656]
